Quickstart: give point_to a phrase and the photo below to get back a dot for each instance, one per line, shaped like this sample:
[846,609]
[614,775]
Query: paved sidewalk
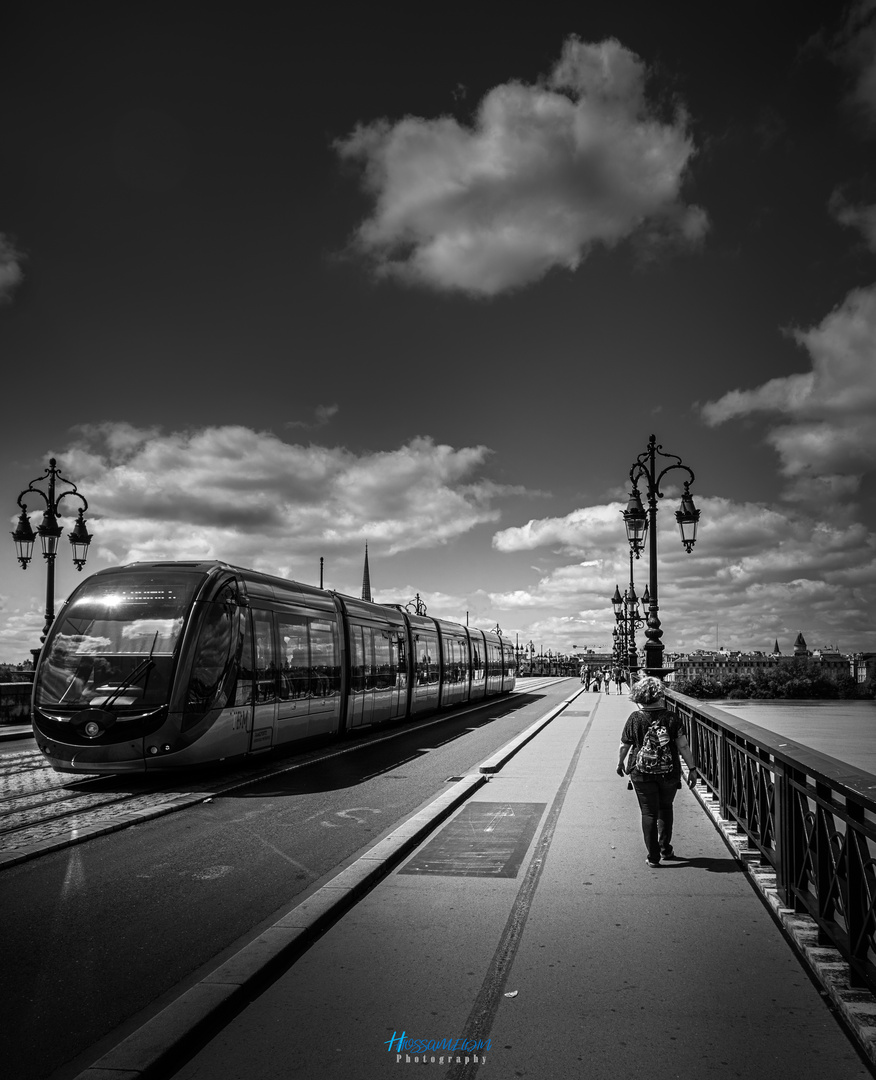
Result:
[584,963]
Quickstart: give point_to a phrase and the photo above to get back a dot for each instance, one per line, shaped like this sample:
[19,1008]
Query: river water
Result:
[842,729]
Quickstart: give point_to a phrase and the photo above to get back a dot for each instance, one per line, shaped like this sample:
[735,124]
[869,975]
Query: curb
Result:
[826,965]
[496,761]
[20,732]
[218,995]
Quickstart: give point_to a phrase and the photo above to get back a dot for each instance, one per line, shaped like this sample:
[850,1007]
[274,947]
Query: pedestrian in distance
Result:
[597,682]
[651,747]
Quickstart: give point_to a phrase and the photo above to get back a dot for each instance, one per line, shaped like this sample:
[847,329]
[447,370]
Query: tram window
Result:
[427,658]
[243,693]
[107,631]
[494,659]
[294,656]
[212,660]
[358,660]
[453,660]
[368,643]
[402,645]
[326,671]
[384,673]
[265,662]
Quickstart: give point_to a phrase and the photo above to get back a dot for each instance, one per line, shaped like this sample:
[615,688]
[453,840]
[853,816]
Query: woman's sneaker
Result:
[650,861]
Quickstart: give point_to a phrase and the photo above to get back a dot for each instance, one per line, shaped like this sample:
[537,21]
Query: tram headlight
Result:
[153,749]
[92,729]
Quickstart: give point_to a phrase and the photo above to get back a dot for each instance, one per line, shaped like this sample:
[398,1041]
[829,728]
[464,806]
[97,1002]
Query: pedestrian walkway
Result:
[530,936]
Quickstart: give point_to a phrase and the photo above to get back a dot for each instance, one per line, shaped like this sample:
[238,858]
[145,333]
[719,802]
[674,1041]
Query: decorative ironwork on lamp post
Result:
[49,532]
[638,521]
[416,606]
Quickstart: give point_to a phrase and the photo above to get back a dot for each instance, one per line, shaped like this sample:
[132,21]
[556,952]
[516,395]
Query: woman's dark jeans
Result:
[655,799]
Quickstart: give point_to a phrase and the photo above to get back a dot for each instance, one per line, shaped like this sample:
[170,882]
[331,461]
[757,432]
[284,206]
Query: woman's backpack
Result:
[655,755]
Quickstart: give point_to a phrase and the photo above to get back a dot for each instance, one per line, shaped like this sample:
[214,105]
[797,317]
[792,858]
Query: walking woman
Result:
[652,744]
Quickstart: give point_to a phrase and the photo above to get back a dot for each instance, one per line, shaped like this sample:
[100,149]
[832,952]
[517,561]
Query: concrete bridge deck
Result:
[528,927]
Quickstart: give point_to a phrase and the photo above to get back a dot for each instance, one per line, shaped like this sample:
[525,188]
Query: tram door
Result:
[264,680]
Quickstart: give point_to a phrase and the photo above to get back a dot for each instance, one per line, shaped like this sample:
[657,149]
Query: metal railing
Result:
[811,817]
[15,702]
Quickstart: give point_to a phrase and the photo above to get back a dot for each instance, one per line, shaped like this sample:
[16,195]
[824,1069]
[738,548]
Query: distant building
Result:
[724,662]
[864,666]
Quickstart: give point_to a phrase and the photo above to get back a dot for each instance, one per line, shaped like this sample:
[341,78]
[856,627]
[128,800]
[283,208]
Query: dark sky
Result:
[275,285]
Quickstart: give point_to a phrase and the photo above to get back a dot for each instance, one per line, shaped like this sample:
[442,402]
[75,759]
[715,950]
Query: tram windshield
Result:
[114,643]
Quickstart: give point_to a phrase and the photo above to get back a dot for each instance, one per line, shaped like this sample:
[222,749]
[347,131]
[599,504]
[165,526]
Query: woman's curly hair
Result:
[647,691]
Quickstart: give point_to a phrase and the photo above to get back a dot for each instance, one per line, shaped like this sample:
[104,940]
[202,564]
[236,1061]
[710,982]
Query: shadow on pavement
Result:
[714,866]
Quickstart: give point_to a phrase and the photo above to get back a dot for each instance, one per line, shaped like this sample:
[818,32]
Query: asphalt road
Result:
[101,935]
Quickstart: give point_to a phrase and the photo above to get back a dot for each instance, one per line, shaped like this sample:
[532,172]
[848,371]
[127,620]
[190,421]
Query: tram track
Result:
[40,813]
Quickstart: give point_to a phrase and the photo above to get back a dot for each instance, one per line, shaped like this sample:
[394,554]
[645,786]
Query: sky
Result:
[272,289]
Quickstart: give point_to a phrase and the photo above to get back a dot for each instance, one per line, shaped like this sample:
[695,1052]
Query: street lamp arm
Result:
[640,469]
[52,504]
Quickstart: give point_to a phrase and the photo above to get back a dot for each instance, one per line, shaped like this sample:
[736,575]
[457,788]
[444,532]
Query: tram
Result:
[162,666]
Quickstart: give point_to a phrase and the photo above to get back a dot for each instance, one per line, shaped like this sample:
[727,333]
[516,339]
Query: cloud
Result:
[862,218]
[854,48]
[825,435]
[249,497]
[576,533]
[758,572]
[543,172]
[322,414]
[11,273]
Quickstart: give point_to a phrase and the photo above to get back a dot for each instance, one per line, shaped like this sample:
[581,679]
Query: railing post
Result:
[724,774]
[826,903]
[783,797]
[858,915]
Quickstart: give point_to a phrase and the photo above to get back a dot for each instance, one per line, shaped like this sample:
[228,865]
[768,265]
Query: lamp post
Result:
[638,521]
[49,532]
[629,619]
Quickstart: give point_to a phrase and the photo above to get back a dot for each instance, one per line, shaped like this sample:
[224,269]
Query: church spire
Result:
[366,579]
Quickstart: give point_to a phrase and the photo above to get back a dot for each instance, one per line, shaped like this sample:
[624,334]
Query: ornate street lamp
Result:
[687,517]
[629,618]
[49,532]
[416,606]
[638,521]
